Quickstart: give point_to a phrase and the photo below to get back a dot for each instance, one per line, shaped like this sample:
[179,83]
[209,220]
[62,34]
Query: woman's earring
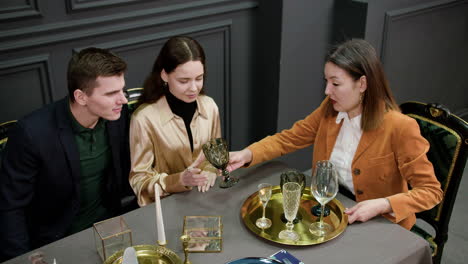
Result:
[361,95]
[165,84]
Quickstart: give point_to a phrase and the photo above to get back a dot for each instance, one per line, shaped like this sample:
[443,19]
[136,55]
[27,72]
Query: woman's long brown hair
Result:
[358,58]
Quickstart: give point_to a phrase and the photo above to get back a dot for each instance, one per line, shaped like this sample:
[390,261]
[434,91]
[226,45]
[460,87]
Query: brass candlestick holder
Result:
[151,254]
[185,242]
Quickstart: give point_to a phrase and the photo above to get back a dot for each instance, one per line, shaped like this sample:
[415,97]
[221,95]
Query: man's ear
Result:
[362,83]
[80,97]
[164,76]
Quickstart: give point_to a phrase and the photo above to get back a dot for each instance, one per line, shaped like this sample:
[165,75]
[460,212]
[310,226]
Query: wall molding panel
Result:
[418,10]
[78,5]
[20,10]
[38,65]
[229,31]
[66,31]
[203,29]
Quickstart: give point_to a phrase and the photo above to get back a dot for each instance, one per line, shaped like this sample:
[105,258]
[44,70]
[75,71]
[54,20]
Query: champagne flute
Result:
[264,193]
[291,200]
[324,186]
[293,175]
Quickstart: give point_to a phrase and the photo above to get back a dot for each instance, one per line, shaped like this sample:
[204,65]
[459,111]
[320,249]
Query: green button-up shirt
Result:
[95,157]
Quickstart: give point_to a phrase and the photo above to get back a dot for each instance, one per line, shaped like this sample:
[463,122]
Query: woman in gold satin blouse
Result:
[172,122]
[377,150]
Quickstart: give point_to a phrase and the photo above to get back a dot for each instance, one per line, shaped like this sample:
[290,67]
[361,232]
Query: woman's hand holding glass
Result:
[264,194]
[291,200]
[324,187]
[238,159]
[193,176]
[211,179]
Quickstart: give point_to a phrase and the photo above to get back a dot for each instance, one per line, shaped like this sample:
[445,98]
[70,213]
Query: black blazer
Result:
[40,178]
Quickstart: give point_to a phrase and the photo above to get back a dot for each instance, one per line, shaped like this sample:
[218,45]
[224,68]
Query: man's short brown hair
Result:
[87,65]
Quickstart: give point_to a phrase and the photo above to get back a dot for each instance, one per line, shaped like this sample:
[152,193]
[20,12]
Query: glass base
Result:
[228,182]
[263,223]
[289,235]
[295,221]
[318,229]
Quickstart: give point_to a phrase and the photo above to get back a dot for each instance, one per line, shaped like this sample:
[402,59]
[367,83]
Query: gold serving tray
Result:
[148,254]
[252,210]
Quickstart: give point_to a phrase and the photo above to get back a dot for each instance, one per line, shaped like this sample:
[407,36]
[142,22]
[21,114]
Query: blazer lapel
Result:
[114,177]
[367,139]
[333,129]
[68,141]
[114,137]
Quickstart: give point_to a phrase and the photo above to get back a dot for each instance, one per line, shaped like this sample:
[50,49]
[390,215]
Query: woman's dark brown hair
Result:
[358,58]
[176,51]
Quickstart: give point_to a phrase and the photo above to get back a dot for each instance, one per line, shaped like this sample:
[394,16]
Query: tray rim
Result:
[158,249]
[257,258]
[252,228]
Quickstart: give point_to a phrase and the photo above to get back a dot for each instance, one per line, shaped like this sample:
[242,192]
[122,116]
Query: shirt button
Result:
[359,192]
[357,171]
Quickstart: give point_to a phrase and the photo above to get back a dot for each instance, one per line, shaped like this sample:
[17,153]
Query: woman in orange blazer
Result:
[378,151]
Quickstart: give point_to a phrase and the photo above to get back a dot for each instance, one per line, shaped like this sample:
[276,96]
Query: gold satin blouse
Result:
[160,147]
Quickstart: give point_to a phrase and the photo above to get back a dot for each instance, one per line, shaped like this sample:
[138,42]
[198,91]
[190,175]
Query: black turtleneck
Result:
[184,110]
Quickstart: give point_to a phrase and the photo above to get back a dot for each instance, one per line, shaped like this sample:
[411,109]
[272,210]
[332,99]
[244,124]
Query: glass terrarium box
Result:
[205,233]
[111,235]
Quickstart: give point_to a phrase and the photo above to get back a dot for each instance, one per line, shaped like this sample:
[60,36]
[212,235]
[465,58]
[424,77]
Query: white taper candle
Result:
[159,216]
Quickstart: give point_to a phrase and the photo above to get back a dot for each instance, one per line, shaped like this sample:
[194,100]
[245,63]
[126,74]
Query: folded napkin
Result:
[286,257]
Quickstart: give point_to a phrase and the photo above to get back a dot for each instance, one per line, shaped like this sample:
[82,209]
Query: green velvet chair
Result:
[448,138]
[133,94]
[4,127]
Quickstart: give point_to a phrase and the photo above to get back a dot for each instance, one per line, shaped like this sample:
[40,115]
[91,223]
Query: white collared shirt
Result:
[345,148]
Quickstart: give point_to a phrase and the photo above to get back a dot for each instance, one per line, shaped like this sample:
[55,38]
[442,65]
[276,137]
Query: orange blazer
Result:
[387,159]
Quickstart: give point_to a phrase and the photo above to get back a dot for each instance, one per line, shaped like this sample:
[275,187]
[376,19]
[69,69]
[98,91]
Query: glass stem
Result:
[263,214]
[322,211]
[289,225]
[226,175]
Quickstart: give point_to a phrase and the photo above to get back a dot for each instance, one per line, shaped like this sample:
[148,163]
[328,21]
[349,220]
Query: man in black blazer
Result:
[66,165]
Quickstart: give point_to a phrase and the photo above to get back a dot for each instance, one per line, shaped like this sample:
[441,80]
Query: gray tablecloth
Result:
[376,241]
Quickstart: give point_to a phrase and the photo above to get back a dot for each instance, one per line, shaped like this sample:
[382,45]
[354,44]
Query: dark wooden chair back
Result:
[133,94]
[4,128]
[448,138]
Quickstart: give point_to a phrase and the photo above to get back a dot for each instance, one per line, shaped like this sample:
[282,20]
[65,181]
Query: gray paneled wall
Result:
[424,50]
[305,37]
[265,57]
[37,39]
[423,46]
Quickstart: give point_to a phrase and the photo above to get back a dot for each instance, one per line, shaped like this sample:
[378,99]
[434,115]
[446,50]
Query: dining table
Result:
[375,241]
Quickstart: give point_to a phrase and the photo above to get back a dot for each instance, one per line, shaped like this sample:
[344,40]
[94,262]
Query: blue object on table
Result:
[317,210]
[286,257]
[255,261]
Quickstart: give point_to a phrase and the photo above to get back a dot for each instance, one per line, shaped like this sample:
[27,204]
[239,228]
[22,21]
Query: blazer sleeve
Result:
[301,135]
[18,171]
[143,176]
[410,150]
